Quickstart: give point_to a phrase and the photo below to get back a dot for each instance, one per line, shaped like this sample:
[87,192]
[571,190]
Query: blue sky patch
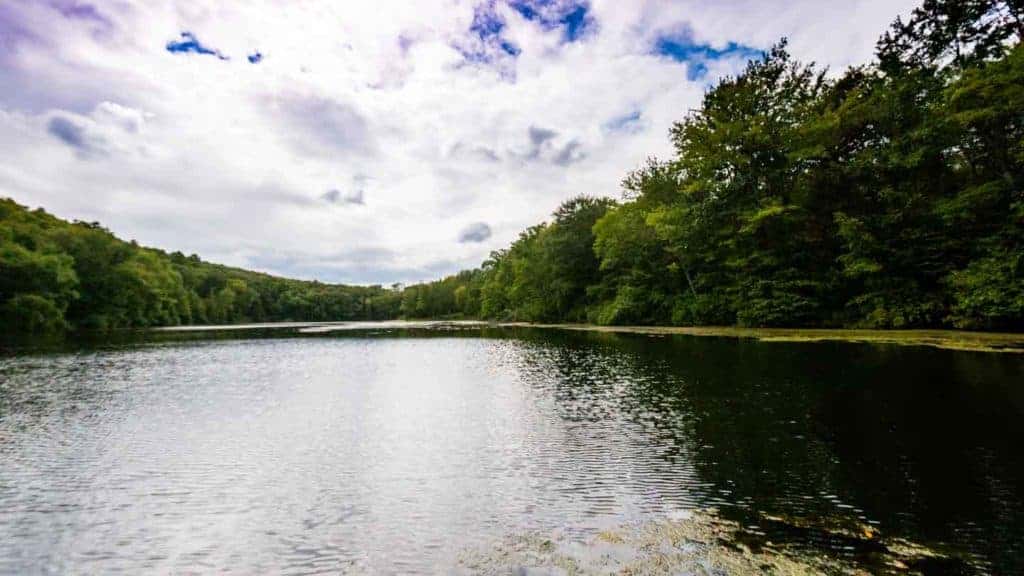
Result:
[487,23]
[577,23]
[509,48]
[487,26]
[696,55]
[189,44]
[574,17]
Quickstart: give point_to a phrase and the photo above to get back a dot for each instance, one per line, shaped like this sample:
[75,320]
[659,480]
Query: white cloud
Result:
[364,141]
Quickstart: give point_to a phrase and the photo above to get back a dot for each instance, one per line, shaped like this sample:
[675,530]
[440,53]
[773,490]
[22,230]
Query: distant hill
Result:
[57,275]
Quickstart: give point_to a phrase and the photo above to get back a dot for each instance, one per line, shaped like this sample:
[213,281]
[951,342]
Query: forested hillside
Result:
[887,196]
[56,275]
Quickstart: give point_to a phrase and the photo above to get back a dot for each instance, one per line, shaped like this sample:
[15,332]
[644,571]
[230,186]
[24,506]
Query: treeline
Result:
[56,275]
[890,196]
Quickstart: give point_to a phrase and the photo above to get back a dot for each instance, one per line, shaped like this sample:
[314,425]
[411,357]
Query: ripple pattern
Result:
[389,455]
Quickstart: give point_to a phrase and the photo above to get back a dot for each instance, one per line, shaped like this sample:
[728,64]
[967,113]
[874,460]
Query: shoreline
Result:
[958,340]
[945,339]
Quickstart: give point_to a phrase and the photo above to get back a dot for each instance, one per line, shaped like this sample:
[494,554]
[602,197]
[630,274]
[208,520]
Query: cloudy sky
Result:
[365,142]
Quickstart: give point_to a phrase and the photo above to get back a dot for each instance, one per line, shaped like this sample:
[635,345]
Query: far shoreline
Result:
[959,340]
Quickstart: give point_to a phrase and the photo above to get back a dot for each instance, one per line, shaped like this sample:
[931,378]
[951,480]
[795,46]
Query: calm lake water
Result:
[390,450]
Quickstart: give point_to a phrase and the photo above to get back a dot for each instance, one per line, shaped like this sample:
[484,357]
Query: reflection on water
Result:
[390,454]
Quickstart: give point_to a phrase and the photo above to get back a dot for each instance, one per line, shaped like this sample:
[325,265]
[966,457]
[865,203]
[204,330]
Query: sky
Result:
[366,142]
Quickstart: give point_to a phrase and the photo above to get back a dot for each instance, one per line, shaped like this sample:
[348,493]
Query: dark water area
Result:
[389,451]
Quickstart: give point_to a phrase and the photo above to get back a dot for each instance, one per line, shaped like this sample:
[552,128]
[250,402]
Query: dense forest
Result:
[56,275]
[889,196]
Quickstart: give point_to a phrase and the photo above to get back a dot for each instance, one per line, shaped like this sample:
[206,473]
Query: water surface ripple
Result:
[390,454]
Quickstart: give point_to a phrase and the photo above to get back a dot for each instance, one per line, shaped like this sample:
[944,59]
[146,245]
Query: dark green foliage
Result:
[453,297]
[989,293]
[546,273]
[639,274]
[32,314]
[55,275]
[890,197]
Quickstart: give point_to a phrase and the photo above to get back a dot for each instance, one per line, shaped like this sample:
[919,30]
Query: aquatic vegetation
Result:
[703,542]
[947,339]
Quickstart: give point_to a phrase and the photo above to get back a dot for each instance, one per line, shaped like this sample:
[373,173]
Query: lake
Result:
[391,449]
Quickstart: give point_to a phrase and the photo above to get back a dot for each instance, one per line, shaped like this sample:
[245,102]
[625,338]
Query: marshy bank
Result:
[704,543]
[947,339]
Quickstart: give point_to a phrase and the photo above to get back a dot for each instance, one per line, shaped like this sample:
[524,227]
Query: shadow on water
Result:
[815,441]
